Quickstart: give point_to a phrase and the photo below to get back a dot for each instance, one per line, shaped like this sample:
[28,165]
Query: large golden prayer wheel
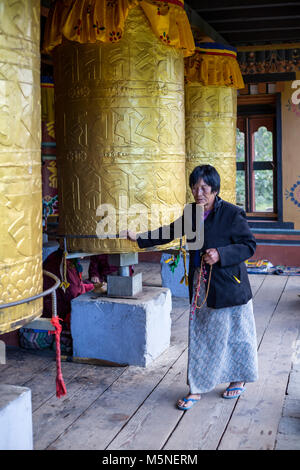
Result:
[212,79]
[119,130]
[20,163]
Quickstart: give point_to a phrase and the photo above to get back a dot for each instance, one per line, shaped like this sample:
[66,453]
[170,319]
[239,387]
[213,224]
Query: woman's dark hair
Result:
[210,176]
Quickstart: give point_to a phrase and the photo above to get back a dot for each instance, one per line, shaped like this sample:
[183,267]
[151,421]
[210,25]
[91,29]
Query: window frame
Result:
[258,106]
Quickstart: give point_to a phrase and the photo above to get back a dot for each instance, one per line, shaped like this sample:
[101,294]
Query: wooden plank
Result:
[204,427]
[180,305]
[266,300]
[95,426]
[55,416]
[287,442]
[256,417]
[146,429]
[23,365]
[256,281]
[43,384]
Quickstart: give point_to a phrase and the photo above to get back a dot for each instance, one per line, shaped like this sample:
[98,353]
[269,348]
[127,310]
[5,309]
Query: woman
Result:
[222,334]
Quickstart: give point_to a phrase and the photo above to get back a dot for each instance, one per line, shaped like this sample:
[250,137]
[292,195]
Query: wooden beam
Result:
[255,99]
[256,37]
[202,25]
[269,47]
[294,30]
[269,77]
[242,18]
[215,5]
[248,14]
[258,24]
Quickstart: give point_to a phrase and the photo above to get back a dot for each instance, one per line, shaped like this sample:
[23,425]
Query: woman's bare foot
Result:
[187,403]
[233,393]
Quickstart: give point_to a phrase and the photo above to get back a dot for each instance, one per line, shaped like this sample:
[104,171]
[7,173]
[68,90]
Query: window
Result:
[256,180]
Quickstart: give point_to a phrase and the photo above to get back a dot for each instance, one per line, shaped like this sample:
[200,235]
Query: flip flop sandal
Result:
[193,400]
[242,389]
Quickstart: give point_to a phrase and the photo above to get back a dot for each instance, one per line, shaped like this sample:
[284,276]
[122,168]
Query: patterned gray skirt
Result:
[222,345]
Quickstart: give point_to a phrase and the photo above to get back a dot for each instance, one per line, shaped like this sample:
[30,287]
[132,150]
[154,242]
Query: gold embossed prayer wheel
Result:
[119,131]
[212,78]
[20,163]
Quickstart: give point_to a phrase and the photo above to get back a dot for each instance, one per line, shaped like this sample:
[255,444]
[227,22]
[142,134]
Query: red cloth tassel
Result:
[60,385]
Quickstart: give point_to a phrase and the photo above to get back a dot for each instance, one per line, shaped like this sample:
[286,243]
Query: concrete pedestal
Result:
[125,331]
[172,280]
[15,418]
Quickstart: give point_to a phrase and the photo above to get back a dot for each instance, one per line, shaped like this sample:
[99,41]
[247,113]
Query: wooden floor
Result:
[134,408]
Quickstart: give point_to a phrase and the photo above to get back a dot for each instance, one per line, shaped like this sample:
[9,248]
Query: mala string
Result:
[194,307]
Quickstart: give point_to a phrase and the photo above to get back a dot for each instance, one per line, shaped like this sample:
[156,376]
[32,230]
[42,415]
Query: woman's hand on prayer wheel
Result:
[128,234]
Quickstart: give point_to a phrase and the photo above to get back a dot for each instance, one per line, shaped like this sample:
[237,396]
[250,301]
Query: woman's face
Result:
[203,194]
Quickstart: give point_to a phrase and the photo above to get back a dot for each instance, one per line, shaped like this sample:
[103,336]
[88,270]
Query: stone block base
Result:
[124,331]
[15,418]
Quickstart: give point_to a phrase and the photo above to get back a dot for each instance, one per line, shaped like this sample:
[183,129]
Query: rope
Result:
[201,273]
[63,269]
[185,277]
[174,260]
[55,320]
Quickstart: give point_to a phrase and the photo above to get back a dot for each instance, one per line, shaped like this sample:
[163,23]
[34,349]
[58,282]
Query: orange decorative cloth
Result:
[214,64]
[90,21]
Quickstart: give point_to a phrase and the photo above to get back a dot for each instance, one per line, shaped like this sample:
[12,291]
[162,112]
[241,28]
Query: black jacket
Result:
[226,228]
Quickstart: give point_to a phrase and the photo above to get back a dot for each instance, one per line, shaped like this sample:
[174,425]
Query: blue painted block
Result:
[126,331]
[49,247]
[172,280]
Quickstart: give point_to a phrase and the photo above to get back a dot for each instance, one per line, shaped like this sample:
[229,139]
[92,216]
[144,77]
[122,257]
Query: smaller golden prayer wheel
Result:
[212,77]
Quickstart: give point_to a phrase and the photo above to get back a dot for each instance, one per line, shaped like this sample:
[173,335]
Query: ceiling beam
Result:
[214,5]
[248,14]
[259,26]
[243,38]
[196,20]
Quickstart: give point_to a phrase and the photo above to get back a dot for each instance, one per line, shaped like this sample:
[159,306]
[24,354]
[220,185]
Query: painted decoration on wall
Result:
[49,178]
[49,169]
[294,193]
[269,61]
[295,108]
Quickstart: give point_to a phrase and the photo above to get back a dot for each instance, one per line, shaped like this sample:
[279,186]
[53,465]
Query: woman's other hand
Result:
[95,280]
[128,234]
[211,256]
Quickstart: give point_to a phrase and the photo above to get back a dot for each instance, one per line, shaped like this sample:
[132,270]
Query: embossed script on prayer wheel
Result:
[119,131]
[211,133]
[20,163]
[212,78]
